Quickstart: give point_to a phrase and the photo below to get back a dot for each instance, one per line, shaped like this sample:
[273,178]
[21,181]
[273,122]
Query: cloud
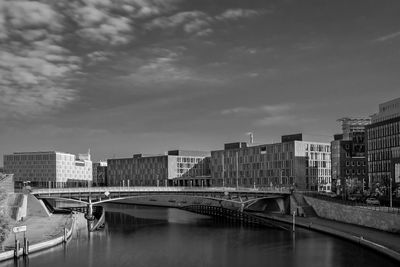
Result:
[99,22]
[197,22]
[41,47]
[98,56]
[112,22]
[191,22]
[235,14]
[269,109]
[264,115]
[388,37]
[34,68]
[113,31]
[163,69]
[31,14]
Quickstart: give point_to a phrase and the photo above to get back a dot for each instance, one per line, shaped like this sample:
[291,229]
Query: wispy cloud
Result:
[163,69]
[197,22]
[238,13]
[266,109]
[265,115]
[388,37]
[190,21]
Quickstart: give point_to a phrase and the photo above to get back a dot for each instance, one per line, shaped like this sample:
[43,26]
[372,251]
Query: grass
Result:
[5,221]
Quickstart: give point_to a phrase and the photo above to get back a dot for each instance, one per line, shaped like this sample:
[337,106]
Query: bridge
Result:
[218,201]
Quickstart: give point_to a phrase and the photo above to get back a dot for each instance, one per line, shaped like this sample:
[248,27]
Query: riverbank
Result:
[43,232]
[383,242]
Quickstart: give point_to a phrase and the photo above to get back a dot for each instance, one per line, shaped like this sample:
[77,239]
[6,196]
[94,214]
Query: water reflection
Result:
[149,236]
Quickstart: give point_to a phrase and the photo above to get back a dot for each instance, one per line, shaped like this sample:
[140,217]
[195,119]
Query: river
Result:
[151,236]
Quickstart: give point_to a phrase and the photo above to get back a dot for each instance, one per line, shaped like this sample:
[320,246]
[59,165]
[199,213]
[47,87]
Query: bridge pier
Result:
[89,211]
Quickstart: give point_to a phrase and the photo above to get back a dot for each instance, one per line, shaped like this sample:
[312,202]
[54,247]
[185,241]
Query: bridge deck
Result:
[268,190]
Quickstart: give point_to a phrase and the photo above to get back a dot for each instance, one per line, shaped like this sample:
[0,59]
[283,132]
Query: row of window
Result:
[384,130]
[354,163]
[189,159]
[384,142]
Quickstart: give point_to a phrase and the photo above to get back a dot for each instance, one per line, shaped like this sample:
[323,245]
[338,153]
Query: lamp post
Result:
[281,178]
[390,192]
[237,169]
[223,170]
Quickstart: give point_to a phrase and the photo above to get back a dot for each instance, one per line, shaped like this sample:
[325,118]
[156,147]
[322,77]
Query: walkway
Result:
[40,229]
[385,242]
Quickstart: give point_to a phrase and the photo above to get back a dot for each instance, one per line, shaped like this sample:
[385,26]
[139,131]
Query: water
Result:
[150,236]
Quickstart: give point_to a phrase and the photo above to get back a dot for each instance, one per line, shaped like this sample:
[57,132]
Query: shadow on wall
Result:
[270,205]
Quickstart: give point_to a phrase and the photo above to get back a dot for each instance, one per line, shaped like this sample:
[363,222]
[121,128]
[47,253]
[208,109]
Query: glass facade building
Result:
[293,162]
[383,145]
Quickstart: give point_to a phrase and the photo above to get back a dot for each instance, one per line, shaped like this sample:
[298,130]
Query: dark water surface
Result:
[150,236]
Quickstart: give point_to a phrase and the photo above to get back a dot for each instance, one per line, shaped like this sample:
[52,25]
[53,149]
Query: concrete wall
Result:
[36,207]
[17,206]
[355,215]
[269,205]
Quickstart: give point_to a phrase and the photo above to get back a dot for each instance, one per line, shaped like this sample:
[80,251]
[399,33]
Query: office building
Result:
[51,168]
[119,171]
[176,168]
[292,162]
[349,158]
[383,145]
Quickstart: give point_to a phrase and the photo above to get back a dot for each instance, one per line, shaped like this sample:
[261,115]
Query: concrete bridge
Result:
[218,200]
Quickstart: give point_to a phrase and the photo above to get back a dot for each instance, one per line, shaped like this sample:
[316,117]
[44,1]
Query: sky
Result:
[145,76]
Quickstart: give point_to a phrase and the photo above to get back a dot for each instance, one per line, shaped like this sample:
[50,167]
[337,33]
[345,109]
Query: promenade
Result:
[40,229]
[384,242]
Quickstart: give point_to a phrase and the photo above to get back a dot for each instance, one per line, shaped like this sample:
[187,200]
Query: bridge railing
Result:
[158,189]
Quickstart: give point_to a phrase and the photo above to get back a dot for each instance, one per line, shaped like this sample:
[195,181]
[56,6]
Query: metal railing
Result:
[281,190]
[356,204]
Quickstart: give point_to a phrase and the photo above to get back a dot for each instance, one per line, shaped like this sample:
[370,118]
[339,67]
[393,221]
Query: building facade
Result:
[176,168]
[383,145]
[52,168]
[349,157]
[119,170]
[100,173]
[293,162]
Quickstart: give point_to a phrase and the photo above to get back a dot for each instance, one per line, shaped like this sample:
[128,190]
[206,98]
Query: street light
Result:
[237,169]
[390,192]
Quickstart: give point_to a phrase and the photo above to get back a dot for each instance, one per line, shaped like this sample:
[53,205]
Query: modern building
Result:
[292,162]
[348,156]
[51,168]
[99,173]
[176,168]
[383,145]
[120,171]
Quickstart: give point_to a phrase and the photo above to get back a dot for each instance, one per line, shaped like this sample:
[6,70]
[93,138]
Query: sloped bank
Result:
[61,238]
[380,220]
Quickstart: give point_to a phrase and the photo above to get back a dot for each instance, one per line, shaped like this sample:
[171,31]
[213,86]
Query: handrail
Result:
[157,189]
